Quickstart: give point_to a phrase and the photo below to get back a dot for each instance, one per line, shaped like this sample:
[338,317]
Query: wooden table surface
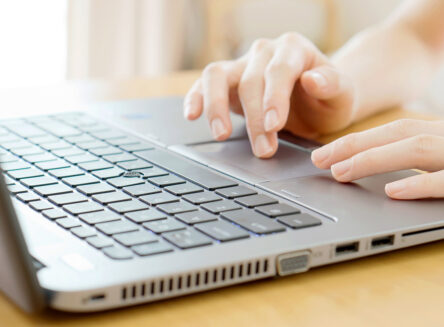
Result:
[403,288]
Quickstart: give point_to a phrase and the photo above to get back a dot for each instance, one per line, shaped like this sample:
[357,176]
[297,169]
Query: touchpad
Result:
[235,158]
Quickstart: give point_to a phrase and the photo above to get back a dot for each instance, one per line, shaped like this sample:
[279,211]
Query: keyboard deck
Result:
[127,198]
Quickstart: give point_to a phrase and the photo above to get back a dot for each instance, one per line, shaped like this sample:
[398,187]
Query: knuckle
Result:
[213,68]
[348,143]
[423,144]
[260,44]
[248,82]
[276,68]
[403,127]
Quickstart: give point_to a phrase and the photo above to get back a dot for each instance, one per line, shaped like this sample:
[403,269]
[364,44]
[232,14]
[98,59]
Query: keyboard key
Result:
[69,222]
[182,167]
[124,181]
[52,189]
[54,214]
[252,201]
[80,158]
[27,151]
[108,173]
[109,150]
[141,189]
[39,181]
[108,135]
[221,206]
[182,189]
[176,207]
[92,145]
[57,145]
[25,173]
[136,147]
[16,165]
[28,197]
[83,207]
[187,239]
[145,215]
[164,225]
[43,139]
[97,188]
[72,151]
[123,141]
[95,165]
[128,206]
[117,253]
[42,157]
[8,180]
[135,164]
[196,217]
[99,242]
[69,198]
[82,138]
[54,164]
[235,192]
[159,198]
[121,157]
[83,231]
[17,188]
[59,129]
[40,205]
[152,248]
[222,231]
[167,180]
[202,197]
[135,238]
[276,210]
[253,221]
[67,172]
[111,197]
[115,227]
[299,221]
[80,180]
[99,217]
[26,130]
[6,157]
[15,143]
[152,172]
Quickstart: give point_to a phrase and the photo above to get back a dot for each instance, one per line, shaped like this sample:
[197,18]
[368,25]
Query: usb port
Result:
[380,242]
[347,248]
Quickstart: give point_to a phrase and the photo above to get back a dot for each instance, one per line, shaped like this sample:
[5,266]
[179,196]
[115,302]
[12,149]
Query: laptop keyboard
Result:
[124,196]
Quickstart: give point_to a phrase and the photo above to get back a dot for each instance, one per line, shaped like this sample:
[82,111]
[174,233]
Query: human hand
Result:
[402,144]
[286,83]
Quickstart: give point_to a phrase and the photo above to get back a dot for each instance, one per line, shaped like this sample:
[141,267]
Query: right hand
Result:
[286,83]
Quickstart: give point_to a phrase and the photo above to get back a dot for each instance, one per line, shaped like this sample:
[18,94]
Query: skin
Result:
[287,83]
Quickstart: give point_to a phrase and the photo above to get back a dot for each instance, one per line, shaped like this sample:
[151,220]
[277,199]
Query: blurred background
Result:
[51,41]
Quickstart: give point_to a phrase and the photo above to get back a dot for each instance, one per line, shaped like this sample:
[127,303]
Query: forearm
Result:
[388,65]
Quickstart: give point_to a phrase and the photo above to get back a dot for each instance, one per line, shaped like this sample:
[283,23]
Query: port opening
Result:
[347,248]
[97,297]
[383,241]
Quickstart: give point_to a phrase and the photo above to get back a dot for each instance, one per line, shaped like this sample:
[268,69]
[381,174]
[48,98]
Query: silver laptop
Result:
[126,203]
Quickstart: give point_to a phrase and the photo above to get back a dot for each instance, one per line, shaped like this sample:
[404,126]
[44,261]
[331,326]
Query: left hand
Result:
[402,144]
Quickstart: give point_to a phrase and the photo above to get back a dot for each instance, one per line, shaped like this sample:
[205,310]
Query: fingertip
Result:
[264,147]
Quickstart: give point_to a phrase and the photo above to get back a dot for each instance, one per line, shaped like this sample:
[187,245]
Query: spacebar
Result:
[188,170]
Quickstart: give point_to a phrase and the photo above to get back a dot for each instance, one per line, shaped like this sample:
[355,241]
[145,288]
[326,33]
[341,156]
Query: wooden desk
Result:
[403,288]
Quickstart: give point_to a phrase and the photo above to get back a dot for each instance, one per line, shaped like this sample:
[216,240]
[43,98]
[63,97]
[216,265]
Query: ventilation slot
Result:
[198,280]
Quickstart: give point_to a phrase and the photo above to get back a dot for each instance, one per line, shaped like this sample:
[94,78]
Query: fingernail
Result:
[320,155]
[320,79]
[341,169]
[218,128]
[187,110]
[261,146]
[271,120]
[395,188]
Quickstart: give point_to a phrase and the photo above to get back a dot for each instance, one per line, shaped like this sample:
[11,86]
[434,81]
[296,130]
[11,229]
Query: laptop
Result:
[124,203]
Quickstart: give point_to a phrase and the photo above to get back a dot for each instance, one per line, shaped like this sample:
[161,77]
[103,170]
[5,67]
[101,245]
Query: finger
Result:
[420,186]
[193,102]
[351,144]
[281,74]
[421,152]
[251,93]
[217,79]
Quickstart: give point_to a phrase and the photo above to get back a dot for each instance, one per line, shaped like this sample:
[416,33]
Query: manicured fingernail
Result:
[271,120]
[187,110]
[321,154]
[261,146]
[341,169]
[395,188]
[320,79]
[218,128]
